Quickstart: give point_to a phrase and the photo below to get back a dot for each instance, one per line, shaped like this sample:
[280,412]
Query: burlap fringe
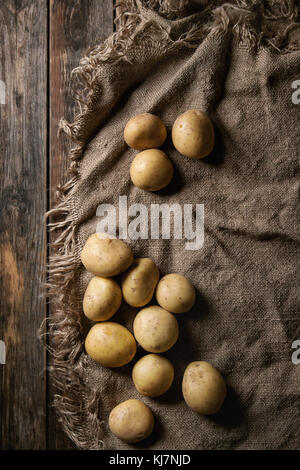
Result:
[218,17]
[76,403]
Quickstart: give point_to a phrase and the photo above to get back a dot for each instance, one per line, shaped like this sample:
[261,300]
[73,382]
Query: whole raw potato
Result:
[131,421]
[139,282]
[102,298]
[151,170]
[145,131]
[110,344]
[106,257]
[203,388]
[193,134]
[153,375]
[175,293]
[155,329]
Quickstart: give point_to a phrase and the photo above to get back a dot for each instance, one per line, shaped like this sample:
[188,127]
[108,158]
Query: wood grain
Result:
[75,27]
[23,141]
[41,43]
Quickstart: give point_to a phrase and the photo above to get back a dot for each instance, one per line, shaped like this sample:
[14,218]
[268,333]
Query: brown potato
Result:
[175,293]
[155,329]
[131,421]
[139,282]
[102,299]
[145,131]
[203,388]
[151,170]
[153,375]
[193,134]
[110,344]
[106,257]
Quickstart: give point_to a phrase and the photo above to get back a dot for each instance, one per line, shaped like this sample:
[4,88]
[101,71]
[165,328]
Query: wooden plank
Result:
[75,27]
[23,137]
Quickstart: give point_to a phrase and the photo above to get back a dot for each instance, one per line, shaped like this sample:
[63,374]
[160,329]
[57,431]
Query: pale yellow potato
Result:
[145,131]
[193,134]
[110,344]
[155,329]
[131,421]
[153,375]
[139,282]
[175,293]
[106,257]
[203,388]
[102,298]
[151,170]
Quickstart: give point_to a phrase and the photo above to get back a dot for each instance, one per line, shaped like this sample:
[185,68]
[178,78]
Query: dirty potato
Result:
[131,421]
[106,257]
[110,344]
[139,282]
[153,375]
[175,293]
[155,329]
[193,134]
[145,131]
[151,170]
[203,388]
[102,299]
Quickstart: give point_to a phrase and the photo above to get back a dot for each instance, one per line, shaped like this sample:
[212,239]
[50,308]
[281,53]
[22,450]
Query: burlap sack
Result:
[237,61]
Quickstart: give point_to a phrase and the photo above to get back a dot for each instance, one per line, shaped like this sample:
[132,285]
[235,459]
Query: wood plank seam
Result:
[74,27]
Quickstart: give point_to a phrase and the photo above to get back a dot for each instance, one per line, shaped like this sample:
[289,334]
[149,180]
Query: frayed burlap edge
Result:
[77,405]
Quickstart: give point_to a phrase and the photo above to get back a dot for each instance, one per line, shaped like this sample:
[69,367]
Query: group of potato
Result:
[151,169]
[155,328]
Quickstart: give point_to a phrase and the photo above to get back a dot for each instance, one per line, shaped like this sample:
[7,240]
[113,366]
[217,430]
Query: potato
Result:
[102,299]
[193,134]
[145,131]
[203,388]
[153,375]
[155,329]
[139,282]
[106,257]
[175,293]
[151,170]
[110,344]
[131,421]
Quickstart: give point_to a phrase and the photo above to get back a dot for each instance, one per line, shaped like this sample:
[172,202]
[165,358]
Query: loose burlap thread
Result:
[237,61]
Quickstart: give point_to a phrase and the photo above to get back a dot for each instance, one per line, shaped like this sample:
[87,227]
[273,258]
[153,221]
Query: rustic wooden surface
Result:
[41,43]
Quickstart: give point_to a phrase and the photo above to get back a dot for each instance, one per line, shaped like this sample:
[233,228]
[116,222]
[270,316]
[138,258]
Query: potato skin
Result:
[145,131]
[106,257]
[155,329]
[102,298]
[139,282]
[203,388]
[175,293]
[193,134]
[131,421]
[153,375]
[110,344]
[151,170]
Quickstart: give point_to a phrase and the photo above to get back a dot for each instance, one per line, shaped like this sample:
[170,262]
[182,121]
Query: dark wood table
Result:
[41,42]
